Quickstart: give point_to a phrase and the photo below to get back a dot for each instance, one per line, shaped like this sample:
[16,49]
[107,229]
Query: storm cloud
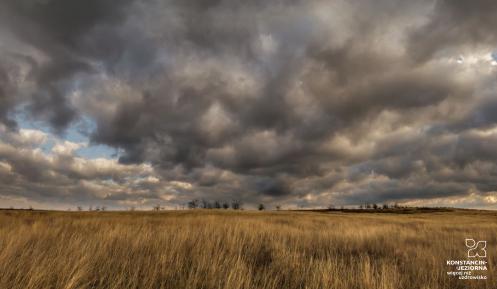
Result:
[298,103]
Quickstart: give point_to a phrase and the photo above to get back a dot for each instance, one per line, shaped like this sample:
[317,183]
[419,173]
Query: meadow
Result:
[240,249]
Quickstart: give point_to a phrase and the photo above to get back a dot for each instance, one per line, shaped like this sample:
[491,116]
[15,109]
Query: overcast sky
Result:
[293,103]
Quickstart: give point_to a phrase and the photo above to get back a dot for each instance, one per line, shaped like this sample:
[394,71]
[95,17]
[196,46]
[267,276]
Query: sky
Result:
[294,103]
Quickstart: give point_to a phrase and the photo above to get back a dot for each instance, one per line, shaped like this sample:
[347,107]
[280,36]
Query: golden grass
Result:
[224,249]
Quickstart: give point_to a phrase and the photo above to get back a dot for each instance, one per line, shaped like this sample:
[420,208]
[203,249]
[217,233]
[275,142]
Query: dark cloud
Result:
[4,97]
[452,25]
[272,187]
[63,33]
[302,102]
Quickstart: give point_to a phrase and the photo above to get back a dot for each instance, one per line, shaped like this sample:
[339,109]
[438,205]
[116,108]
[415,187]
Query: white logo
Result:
[476,249]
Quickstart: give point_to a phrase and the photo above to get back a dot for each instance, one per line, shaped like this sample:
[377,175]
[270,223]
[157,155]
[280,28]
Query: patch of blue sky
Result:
[97,151]
[78,132]
[25,122]
[494,55]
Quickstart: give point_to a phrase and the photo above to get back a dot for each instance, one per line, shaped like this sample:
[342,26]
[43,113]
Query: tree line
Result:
[203,204]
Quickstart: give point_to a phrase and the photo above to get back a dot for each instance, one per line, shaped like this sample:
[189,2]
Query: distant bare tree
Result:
[375,206]
[193,204]
[385,206]
[226,205]
[261,207]
[156,207]
[80,208]
[236,205]
[278,207]
[217,205]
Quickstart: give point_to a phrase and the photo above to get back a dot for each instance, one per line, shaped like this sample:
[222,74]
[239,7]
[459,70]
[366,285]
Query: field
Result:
[240,249]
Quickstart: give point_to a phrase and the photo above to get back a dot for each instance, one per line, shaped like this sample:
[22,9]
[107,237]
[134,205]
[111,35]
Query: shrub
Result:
[236,205]
[193,204]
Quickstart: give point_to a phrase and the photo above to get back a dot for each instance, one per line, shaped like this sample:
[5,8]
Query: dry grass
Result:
[214,249]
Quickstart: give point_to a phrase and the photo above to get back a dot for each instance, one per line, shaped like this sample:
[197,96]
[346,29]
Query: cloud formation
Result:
[302,103]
